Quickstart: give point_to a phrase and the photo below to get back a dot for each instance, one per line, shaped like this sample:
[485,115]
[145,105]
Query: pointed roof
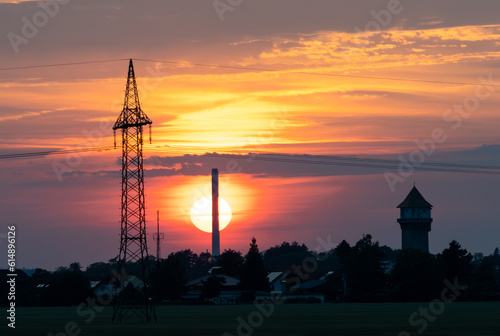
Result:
[415,200]
[132,114]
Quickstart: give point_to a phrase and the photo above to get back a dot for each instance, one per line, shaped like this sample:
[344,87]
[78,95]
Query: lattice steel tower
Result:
[132,296]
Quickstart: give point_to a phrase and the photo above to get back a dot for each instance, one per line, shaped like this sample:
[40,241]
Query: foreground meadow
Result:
[388,319]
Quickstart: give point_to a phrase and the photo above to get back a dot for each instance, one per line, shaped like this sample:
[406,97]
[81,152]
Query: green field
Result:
[289,319]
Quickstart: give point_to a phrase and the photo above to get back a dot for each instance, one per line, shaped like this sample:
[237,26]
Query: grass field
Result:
[388,319]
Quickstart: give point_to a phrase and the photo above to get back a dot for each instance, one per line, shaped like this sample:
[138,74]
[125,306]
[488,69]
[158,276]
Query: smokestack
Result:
[215,214]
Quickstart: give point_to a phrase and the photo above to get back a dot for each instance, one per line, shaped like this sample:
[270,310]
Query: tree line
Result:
[363,272]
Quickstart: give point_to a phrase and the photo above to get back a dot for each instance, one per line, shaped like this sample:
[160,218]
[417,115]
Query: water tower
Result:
[415,221]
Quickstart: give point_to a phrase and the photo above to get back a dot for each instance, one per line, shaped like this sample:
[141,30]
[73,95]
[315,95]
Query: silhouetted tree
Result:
[327,261]
[186,258]
[286,254]
[75,267]
[205,258]
[344,252]
[388,253]
[457,262]
[212,286]
[417,276]
[169,281]
[494,258]
[254,275]
[484,285]
[362,267]
[477,258]
[195,266]
[231,263]
[68,287]
[100,269]
[40,274]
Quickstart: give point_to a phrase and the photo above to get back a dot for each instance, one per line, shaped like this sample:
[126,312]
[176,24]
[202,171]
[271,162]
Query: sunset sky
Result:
[362,79]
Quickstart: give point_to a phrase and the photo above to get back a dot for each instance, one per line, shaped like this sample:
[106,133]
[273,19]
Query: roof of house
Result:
[273,276]
[311,284]
[415,200]
[230,281]
[20,275]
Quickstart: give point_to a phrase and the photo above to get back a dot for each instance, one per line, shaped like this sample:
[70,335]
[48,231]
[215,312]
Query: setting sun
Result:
[201,214]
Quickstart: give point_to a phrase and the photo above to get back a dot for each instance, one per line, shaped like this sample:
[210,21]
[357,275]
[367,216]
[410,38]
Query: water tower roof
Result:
[415,200]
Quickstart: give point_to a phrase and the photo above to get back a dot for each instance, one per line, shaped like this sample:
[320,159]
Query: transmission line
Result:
[219,66]
[384,164]
[312,73]
[54,152]
[62,64]
[333,160]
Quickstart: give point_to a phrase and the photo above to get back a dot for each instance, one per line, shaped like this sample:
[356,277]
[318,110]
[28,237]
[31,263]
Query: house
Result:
[22,280]
[229,294]
[277,281]
[23,290]
[103,286]
[387,266]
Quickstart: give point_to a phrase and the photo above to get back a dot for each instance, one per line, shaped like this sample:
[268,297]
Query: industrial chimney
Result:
[215,214]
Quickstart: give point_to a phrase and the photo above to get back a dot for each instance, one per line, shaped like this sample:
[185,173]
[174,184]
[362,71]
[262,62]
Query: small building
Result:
[22,280]
[229,294]
[104,286]
[277,281]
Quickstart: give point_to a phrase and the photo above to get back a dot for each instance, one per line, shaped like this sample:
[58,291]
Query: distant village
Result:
[289,272]
[364,272]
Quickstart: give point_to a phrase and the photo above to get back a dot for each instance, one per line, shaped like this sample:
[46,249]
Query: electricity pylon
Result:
[133,293]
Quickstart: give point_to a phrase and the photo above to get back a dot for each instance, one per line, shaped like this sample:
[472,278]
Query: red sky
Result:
[316,99]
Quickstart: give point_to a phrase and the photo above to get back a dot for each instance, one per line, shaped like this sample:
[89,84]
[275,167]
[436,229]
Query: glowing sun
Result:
[201,214]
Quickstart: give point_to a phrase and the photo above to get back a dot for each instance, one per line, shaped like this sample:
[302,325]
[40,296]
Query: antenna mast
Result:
[158,237]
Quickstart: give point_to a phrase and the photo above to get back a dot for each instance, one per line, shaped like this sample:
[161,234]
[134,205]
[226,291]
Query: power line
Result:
[347,158]
[333,160]
[53,152]
[312,73]
[357,162]
[351,158]
[62,64]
